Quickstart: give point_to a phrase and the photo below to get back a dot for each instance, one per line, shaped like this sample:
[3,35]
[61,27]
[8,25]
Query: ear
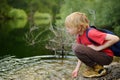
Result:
[80,27]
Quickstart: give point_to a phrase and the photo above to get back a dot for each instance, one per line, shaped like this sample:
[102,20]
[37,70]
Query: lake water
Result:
[17,38]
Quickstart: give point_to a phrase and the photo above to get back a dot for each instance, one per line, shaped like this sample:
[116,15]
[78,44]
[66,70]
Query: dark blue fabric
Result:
[115,48]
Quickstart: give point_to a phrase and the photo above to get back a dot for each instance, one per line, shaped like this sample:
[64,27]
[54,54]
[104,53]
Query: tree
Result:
[4,9]
[100,12]
[61,41]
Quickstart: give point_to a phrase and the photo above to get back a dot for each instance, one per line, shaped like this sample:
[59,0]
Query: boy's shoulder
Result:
[93,32]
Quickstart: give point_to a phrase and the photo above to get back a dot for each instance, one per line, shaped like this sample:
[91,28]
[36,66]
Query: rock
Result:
[113,73]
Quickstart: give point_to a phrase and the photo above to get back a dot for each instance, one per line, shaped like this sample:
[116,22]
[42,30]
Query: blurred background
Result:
[36,27]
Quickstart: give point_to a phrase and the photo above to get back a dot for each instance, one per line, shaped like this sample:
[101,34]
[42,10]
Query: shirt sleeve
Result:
[97,36]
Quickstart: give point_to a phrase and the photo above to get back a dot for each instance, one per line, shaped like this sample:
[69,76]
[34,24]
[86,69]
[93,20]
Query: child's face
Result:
[72,31]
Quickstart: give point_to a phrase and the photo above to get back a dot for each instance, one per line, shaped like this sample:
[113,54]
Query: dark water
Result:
[13,40]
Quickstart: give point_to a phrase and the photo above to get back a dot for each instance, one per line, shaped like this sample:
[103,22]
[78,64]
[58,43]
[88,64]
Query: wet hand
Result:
[74,74]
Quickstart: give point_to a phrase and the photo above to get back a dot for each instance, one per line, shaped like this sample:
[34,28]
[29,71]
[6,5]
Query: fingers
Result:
[74,74]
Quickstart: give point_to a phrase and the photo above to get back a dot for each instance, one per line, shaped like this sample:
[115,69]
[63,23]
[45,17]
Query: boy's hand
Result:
[96,48]
[74,74]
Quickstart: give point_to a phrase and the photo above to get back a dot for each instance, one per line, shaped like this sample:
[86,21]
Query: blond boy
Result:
[93,56]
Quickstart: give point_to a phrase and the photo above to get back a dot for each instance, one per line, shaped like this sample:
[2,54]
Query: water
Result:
[13,40]
[42,68]
[36,68]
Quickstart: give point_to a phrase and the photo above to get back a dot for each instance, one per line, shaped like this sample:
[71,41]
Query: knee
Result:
[77,47]
[74,47]
[79,50]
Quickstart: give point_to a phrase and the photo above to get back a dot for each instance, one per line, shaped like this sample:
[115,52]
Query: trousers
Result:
[91,57]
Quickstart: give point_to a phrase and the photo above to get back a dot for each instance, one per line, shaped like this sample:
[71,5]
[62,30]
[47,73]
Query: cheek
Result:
[68,30]
[71,31]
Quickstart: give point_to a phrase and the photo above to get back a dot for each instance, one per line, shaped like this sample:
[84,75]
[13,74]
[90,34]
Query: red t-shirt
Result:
[96,36]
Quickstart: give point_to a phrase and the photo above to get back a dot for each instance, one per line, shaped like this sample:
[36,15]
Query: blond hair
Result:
[77,19]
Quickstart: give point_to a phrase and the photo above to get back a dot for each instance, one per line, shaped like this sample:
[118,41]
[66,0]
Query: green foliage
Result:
[100,12]
[49,6]
[19,18]
[4,8]
[17,23]
[20,4]
[17,13]
[41,18]
[117,30]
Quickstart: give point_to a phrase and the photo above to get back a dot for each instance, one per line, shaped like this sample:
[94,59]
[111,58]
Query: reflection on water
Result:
[17,23]
[35,68]
[11,33]
[12,39]
[9,25]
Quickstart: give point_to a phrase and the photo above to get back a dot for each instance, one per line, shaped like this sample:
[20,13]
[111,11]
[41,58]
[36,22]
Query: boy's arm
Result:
[110,40]
[76,70]
[78,65]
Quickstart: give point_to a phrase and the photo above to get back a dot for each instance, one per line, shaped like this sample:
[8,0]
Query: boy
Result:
[93,56]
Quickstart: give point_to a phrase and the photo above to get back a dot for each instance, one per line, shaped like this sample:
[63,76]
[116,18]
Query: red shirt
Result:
[96,36]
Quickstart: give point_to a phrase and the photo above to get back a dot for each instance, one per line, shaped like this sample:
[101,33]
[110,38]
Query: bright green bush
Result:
[42,18]
[17,13]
